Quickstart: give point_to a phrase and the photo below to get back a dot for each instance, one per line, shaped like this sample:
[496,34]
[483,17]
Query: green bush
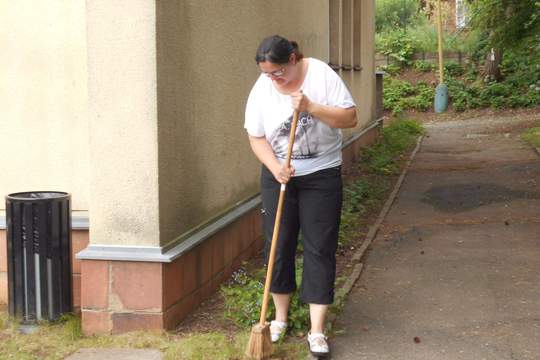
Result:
[521,68]
[393,91]
[391,69]
[494,94]
[424,66]
[399,95]
[423,99]
[398,45]
[463,95]
[425,38]
[470,95]
[243,299]
[452,68]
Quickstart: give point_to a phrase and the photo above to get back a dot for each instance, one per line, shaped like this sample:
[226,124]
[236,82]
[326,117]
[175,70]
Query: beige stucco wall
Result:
[123,122]
[205,71]
[141,116]
[362,83]
[43,98]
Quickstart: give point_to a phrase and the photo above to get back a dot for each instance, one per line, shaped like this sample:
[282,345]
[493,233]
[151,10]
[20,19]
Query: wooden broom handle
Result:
[277,222]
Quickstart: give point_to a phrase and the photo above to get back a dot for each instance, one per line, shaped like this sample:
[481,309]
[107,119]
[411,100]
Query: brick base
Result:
[120,296]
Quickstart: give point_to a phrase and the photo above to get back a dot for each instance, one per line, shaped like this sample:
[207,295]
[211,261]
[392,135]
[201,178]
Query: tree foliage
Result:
[506,23]
[397,14]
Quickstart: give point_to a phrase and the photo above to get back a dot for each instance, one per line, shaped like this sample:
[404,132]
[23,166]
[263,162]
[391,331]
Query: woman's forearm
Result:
[335,117]
[265,154]
[262,149]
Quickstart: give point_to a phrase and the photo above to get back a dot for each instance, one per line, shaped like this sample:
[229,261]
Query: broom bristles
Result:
[260,343]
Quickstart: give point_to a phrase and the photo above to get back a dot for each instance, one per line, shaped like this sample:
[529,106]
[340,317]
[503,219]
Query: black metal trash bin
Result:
[39,255]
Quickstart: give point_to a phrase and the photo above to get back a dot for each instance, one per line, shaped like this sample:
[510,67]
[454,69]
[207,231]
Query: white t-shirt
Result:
[269,113]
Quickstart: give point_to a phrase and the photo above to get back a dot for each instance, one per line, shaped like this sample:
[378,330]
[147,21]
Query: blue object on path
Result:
[441,98]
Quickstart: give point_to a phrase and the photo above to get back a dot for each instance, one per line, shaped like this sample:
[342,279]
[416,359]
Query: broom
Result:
[260,344]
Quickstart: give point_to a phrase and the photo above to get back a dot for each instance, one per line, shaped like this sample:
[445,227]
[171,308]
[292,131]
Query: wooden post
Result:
[439,28]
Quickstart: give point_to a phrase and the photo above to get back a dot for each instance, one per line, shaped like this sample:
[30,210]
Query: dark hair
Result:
[277,50]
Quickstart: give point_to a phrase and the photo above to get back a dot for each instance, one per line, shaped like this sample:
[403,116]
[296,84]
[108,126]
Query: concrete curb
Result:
[343,292]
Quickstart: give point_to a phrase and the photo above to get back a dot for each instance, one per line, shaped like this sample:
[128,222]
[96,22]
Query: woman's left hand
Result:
[300,101]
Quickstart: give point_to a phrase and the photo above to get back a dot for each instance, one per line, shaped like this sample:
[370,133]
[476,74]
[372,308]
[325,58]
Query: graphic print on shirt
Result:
[305,143]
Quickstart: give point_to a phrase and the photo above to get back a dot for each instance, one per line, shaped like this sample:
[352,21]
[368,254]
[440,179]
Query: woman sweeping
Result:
[291,82]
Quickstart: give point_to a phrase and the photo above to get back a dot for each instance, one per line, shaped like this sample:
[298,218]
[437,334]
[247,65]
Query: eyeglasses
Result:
[276,73]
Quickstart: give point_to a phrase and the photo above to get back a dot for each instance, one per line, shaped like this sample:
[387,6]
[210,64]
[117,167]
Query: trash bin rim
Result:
[55,195]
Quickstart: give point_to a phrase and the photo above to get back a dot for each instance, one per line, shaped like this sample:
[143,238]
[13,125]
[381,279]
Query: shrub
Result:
[424,66]
[391,69]
[452,68]
[243,299]
[424,97]
[399,95]
[397,45]
[425,38]
[521,68]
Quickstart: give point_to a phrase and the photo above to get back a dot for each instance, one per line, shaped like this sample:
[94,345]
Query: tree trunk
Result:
[492,71]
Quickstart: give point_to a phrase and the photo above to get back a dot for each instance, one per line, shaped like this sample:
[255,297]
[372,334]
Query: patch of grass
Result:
[55,341]
[383,157]
[532,136]
[3,320]
[207,346]
[359,198]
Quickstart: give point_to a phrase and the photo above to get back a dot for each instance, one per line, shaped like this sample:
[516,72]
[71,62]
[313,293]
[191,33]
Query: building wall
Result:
[362,82]
[43,97]
[141,117]
[205,71]
[124,182]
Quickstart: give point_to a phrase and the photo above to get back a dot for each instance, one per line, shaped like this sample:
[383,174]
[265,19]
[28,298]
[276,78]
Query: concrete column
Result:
[335,34]
[357,34]
[123,123]
[347,35]
[119,295]
[367,57]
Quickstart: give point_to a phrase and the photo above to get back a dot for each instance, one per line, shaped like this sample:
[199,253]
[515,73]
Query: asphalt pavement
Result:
[454,272]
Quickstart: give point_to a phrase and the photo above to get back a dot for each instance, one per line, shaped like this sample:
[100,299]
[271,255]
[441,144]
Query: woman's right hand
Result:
[283,174]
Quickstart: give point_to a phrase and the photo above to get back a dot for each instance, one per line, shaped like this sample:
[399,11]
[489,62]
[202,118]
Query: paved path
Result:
[456,263]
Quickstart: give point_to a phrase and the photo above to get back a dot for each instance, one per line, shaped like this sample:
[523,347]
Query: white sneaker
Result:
[277,330]
[317,344]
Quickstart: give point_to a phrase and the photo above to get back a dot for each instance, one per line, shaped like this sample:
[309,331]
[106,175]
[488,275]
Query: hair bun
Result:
[294,44]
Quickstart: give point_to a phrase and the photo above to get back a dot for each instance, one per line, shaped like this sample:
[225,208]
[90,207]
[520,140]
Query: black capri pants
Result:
[312,205]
